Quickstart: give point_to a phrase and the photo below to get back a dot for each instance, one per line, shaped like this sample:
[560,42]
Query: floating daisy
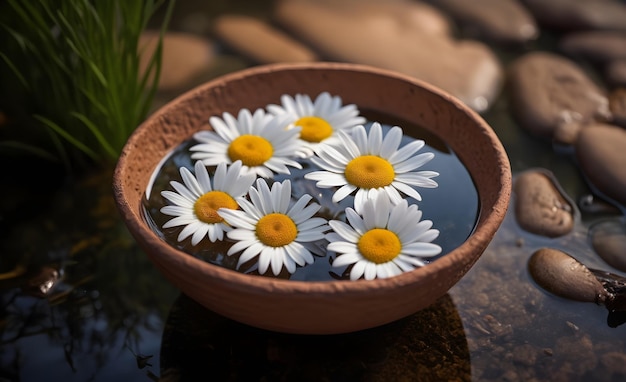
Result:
[258,140]
[320,120]
[384,242]
[271,227]
[196,201]
[371,164]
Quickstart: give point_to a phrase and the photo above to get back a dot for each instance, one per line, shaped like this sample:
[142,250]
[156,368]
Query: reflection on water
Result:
[429,346]
[77,297]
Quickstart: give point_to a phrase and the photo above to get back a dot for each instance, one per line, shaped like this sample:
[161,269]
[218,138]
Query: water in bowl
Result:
[452,206]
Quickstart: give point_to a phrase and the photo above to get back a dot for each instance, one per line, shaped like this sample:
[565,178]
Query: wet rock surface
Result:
[549,92]
[615,285]
[600,153]
[608,239]
[391,39]
[502,21]
[578,14]
[540,206]
[564,276]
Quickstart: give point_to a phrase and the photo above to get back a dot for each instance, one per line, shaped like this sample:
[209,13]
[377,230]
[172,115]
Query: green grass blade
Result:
[15,70]
[94,130]
[67,136]
[80,65]
[31,149]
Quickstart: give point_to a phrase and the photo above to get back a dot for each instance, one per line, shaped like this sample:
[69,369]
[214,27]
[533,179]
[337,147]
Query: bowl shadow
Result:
[429,345]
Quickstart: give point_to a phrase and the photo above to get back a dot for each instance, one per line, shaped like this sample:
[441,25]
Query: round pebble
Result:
[260,41]
[540,206]
[502,21]
[608,239]
[185,56]
[600,153]
[595,46]
[579,14]
[550,92]
[560,274]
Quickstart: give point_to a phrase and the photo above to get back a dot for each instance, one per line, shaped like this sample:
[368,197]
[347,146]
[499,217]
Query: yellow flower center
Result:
[379,245]
[207,205]
[369,171]
[251,150]
[314,129]
[276,230]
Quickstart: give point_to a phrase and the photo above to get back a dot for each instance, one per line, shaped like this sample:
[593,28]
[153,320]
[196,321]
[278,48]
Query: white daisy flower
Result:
[196,201]
[384,242]
[371,165]
[320,120]
[258,140]
[271,227]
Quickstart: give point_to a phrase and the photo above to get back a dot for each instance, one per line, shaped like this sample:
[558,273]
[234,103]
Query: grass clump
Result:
[71,76]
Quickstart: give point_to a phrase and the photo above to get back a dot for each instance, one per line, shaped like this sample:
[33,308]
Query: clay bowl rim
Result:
[488,221]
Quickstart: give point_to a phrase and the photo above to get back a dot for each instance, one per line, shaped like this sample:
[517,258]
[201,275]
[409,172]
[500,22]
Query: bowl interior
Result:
[302,307]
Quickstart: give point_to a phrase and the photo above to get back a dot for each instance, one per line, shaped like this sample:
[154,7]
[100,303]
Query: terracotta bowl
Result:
[323,307]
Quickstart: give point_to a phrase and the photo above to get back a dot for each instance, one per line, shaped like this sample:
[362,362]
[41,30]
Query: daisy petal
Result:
[391,142]
[357,270]
[346,259]
[342,192]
